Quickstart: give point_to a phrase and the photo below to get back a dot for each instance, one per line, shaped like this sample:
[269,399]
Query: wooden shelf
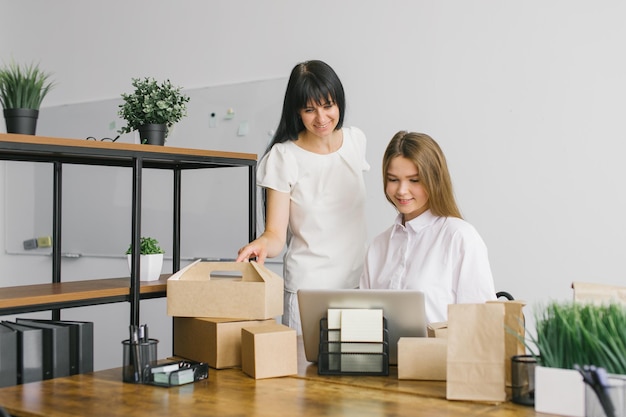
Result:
[41,148]
[59,151]
[39,297]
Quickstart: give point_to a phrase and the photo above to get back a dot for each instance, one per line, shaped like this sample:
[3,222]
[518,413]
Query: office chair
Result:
[4,413]
[504,294]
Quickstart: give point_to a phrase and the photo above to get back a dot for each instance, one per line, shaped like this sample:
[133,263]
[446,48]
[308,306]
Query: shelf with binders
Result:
[337,357]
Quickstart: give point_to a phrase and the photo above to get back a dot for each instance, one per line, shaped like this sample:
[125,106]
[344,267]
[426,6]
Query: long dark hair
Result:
[309,81]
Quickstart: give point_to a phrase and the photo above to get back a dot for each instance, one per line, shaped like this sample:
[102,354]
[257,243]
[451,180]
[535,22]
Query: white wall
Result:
[526,98]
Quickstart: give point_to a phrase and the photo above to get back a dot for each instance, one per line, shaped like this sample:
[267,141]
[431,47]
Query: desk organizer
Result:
[351,358]
[173,374]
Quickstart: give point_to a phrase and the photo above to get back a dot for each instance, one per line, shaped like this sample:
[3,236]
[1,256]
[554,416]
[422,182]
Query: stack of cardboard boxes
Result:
[224,315]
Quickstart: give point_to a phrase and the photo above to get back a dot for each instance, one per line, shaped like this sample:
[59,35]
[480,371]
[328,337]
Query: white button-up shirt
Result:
[444,257]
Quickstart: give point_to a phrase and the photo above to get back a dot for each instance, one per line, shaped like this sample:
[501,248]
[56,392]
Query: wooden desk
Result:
[230,392]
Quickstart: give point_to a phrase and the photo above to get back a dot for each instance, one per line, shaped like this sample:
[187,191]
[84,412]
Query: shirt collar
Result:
[420,222]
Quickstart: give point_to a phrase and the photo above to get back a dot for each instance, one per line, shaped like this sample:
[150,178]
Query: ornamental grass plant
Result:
[582,334]
[23,86]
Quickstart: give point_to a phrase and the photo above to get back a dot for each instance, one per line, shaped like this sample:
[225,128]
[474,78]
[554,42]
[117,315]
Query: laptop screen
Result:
[404,311]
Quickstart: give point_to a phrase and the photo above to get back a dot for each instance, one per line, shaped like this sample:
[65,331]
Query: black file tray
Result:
[351,358]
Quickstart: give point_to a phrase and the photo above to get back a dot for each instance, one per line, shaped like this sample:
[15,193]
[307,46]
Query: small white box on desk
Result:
[559,392]
[236,290]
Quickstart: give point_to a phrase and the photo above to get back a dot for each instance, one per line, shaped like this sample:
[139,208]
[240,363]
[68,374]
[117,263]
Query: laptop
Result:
[403,309]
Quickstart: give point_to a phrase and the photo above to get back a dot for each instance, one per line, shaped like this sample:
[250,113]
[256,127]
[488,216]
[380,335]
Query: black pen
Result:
[135,352]
[597,379]
[601,380]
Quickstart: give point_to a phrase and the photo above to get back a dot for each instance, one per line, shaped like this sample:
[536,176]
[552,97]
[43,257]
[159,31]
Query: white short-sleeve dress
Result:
[326,238]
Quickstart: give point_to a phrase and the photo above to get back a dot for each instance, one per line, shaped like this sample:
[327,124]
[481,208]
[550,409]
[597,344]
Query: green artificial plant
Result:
[147,246]
[574,333]
[152,103]
[23,86]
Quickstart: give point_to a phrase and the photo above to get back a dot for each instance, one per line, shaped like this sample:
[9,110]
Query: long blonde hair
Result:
[432,167]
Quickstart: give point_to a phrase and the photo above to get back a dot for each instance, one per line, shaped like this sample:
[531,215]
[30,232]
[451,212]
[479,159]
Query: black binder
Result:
[56,349]
[81,343]
[29,352]
[8,356]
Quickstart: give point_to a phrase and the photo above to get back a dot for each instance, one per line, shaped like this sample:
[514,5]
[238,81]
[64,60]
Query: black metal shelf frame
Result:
[138,157]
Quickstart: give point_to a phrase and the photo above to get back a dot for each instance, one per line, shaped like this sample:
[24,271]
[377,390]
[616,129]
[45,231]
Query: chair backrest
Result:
[504,294]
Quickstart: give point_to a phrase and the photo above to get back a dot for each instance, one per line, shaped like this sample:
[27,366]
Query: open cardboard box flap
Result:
[242,290]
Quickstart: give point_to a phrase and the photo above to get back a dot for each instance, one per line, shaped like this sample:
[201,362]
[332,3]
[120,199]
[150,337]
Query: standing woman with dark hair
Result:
[312,174]
[429,247]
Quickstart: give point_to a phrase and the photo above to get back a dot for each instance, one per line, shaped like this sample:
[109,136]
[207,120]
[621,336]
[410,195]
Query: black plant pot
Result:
[152,134]
[22,121]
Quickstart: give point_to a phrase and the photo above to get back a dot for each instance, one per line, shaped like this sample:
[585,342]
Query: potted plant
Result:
[22,89]
[150,259]
[152,109]
[573,333]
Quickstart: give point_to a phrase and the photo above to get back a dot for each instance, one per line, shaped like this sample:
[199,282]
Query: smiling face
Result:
[404,189]
[320,119]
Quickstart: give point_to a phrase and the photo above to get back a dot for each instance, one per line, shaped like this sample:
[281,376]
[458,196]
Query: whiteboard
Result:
[96,200]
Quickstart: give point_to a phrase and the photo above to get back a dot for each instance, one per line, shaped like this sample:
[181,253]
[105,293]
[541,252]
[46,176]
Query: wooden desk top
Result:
[230,392]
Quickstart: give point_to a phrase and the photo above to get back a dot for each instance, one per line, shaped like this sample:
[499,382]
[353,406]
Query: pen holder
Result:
[612,404]
[523,379]
[138,358]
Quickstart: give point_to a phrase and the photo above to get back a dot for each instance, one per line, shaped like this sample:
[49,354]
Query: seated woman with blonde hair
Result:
[429,247]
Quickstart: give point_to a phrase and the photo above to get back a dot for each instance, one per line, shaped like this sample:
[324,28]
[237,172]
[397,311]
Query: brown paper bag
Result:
[514,333]
[475,369]
[587,292]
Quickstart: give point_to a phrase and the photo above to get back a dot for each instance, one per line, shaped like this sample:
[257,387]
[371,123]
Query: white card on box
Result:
[359,327]
[334,318]
[362,325]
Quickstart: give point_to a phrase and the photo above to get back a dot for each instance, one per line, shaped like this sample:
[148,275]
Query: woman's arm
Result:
[272,241]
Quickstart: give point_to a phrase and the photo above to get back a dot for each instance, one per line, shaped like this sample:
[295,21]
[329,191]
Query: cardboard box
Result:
[212,340]
[438,329]
[422,358]
[241,290]
[589,292]
[269,351]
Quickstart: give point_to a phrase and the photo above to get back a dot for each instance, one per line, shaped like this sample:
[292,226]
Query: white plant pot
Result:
[559,391]
[149,266]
